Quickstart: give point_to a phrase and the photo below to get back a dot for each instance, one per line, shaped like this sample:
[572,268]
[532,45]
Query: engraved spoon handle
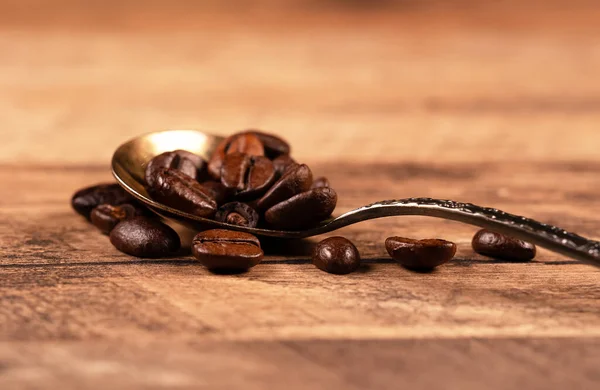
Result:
[544,235]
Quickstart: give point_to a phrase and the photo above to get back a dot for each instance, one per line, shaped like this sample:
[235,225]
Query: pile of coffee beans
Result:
[251,180]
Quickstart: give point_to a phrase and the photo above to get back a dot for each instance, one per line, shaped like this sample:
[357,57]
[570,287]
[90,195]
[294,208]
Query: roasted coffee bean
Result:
[217,191]
[237,213]
[420,254]
[247,175]
[282,164]
[274,146]
[320,182]
[86,199]
[180,160]
[303,210]
[145,237]
[105,217]
[296,180]
[181,192]
[336,255]
[238,143]
[227,250]
[488,243]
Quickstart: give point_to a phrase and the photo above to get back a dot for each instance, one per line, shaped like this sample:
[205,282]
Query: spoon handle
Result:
[544,235]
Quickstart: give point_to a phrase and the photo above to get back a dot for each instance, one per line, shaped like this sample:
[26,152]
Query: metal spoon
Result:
[130,159]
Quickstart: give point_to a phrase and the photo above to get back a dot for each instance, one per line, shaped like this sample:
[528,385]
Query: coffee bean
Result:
[303,210]
[105,217]
[296,180]
[237,213]
[145,237]
[336,255]
[247,175]
[181,192]
[180,160]
[320,182]
[488,243]
[282,164]
[238,143]
[274,146]
[420,254]
[217,191]
[86,199]
[227,250]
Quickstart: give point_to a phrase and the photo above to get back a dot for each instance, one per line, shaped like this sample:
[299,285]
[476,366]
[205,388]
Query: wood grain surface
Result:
[494,103]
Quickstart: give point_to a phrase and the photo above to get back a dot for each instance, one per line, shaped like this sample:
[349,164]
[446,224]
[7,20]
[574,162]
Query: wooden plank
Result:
[546,363]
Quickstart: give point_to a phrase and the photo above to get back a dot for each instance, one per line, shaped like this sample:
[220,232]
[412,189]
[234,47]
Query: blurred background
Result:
[391,80]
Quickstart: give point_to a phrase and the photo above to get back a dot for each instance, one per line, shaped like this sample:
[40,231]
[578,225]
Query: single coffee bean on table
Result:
[237,143]
[105,217]
[500,246]
[180,160]
[249,176]
[320,182]
[336,255]
[145,237]
[179,191]
[237,213]
[221,249]
[296,180]
[274,146]
[420,254]
[87,199]
[303,210]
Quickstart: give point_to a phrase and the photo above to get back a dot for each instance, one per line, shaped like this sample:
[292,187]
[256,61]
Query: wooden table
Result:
[395,99]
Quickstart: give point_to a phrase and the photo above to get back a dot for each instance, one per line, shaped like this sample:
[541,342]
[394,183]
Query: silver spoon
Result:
[130,159]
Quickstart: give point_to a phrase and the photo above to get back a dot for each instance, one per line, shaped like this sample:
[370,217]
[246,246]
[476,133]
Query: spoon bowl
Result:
[130,159]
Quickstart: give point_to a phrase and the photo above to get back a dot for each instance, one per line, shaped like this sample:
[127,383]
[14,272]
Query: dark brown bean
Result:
[220,249]
[274,146]
[296,180]
[303,210]
[320,182]
[217,191]
[282,164]
[238,143]
[249,176]
[420,254]
[336,255]
[237,213]
[488,243]
[145,237]
[181,192]
[105,217]
[180,160]
[86,199]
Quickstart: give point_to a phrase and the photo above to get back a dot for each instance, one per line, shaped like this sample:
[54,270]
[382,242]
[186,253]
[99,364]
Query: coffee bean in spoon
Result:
[296,180]
[181,192]
[320,182]
[180,160]
[420,254]
[221,249]
[249,176]
[237,213]
[336,255]
[282,164]
[105,217]
[217,191]
[238,143]
[274,146]
[303,210]
[145,237]
[86,199]
[500,246]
